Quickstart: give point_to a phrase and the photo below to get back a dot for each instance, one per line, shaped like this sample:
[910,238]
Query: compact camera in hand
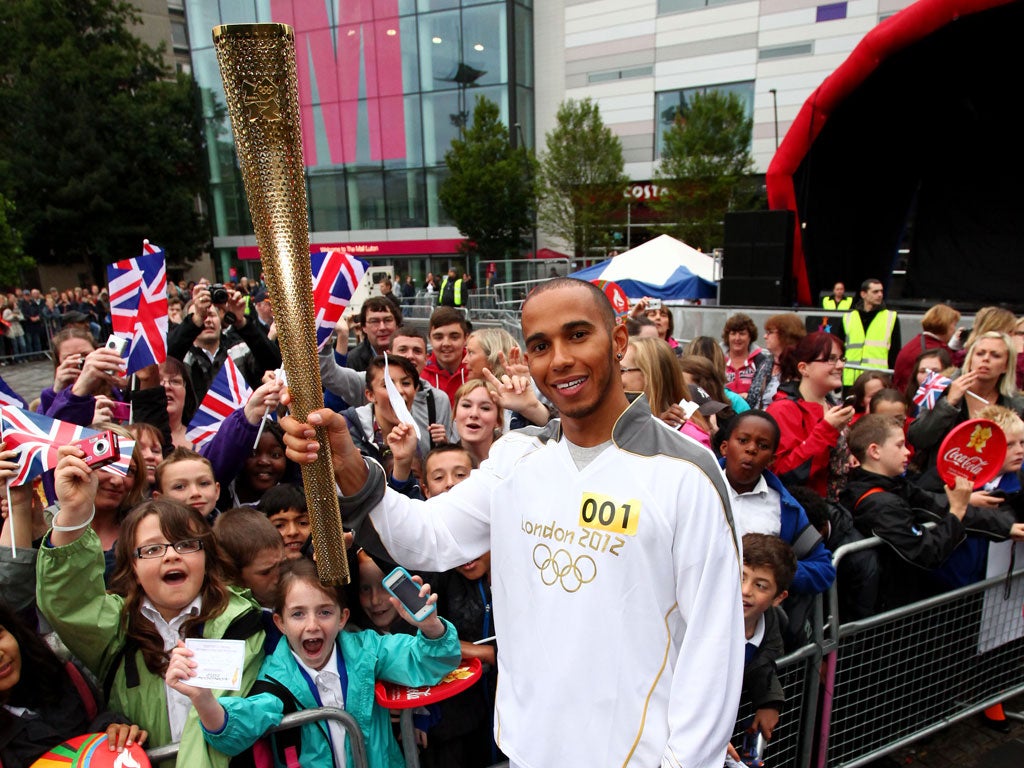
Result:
[100,450]
[117,344]
[218,294]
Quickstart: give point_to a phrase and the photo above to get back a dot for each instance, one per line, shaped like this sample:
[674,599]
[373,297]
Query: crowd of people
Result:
[29,319]
[604,497]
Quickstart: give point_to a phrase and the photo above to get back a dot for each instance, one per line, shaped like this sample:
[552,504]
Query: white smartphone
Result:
[400,584]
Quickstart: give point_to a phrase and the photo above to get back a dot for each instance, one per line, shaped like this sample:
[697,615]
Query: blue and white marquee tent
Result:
[662,268]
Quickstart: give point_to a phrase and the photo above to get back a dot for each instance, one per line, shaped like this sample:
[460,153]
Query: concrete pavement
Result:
[28,379]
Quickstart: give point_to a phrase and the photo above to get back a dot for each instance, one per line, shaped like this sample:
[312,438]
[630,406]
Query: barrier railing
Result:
[896,677]
[295,720]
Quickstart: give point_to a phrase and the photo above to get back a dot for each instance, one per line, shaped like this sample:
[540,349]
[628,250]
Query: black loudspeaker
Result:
[756,258]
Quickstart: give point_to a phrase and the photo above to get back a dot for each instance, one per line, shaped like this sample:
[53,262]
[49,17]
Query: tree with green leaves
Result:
[100,145]
[705,164]
[13,260]
[490,190]
[581,178]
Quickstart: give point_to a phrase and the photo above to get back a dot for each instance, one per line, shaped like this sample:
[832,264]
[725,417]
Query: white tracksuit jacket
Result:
[616,593]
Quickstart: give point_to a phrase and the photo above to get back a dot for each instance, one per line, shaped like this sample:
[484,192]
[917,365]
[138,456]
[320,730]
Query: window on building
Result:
[676,6]
[328,203]
[179,34]
[668,104]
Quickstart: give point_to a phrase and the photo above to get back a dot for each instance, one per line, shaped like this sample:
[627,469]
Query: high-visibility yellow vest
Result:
[869,349]
[457,296]
[845,303]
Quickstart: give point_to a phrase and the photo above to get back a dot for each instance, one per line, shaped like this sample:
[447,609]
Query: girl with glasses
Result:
[167,585]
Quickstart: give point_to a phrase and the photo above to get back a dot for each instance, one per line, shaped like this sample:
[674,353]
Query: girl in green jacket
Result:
[167,585]
[322,666]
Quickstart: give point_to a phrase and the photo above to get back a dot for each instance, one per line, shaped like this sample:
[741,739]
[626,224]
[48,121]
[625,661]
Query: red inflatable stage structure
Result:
[916,138]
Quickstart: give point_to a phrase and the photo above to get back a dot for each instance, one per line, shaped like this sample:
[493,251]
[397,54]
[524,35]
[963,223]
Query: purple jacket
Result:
[230,447]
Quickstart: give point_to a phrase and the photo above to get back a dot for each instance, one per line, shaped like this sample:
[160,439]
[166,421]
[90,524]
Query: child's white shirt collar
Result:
[758,636]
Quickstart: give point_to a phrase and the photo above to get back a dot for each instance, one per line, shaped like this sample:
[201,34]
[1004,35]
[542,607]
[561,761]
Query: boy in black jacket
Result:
[886,505]
[768,569]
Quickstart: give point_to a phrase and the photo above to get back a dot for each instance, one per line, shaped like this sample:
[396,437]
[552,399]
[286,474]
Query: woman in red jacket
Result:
[812,450]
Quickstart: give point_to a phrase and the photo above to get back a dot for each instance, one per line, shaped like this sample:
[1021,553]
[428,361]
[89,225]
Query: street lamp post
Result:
[775,107]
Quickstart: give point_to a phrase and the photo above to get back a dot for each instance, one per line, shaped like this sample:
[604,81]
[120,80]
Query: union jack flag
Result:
[138,305]
[336,276]
[36,438]
[9,397]
[927,395]
[227,394]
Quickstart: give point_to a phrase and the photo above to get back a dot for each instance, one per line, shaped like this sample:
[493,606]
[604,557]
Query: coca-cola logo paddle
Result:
[975,450]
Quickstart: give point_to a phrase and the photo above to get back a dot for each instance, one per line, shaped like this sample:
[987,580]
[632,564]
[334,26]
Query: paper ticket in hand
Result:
[689,407]
[220,663]
[397,403]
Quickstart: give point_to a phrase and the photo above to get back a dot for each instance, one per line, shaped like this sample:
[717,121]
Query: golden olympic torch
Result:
[257,64]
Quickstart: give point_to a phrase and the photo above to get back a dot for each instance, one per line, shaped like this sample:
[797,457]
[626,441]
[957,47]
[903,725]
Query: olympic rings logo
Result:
[561,568]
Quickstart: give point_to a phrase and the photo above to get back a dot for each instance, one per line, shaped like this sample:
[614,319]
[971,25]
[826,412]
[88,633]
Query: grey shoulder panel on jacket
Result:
[638,432]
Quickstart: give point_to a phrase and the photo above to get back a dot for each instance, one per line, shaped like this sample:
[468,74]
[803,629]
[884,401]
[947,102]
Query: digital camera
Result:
[218,293]
[117,344]
[100,450]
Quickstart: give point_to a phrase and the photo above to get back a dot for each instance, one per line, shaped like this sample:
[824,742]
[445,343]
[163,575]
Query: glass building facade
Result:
[384,87]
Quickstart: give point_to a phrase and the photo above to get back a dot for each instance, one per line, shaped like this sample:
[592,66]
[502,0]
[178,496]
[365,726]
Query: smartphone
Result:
[849,399]
[400,584]
[120,411]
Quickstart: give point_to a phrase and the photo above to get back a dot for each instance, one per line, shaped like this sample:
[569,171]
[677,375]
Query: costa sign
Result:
[644,191]
[974,450]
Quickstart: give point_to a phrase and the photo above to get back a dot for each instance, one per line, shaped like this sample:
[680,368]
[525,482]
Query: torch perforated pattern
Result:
[257,64]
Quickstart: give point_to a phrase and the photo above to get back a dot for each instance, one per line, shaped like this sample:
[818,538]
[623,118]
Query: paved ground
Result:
[966,744]
[28,379]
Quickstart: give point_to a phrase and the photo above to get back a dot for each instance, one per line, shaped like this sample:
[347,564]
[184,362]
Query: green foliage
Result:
[581,177]
[12,259]
[705,164]
[490,189]
[99,145]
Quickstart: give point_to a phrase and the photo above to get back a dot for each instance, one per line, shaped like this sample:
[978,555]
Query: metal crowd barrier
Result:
[896,677]
[294,720]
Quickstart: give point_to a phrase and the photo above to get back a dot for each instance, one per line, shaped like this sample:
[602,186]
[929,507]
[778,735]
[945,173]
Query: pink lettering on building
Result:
[363,46]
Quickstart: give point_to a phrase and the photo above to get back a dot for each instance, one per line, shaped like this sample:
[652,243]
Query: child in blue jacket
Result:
[321,665]
[761,504]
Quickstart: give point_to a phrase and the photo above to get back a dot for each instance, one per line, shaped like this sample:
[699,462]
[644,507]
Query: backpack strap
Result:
[85,692]
[287,743]
[868,492]
[806,541]
[125,656]
[244,626]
